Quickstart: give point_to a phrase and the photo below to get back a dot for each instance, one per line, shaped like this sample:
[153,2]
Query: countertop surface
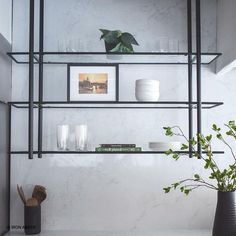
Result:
[110,233]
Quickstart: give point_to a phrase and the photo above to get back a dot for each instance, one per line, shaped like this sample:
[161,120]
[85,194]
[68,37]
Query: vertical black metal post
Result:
[9,165]
[199,87]
[31,82]
[41,49]
[190,66]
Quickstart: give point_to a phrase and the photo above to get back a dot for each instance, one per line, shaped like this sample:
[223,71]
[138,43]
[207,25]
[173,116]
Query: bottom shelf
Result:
[94,152]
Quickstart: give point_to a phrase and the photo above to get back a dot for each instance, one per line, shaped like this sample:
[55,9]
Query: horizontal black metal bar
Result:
[129,105]
[120,63]
[4,103]
[36,54]
[214,59]
[118,53]
[94,152]
[116,102]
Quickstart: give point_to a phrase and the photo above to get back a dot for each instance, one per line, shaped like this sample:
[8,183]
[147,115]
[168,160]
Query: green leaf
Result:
[167,190]
[112,37]
[187,191]
[176,156]
[128,39]
[169,152]
[208,138]
[197,176]
[184,147]
[122,48]
[175,185]
[117,48]
[230,132]
[104,32]
[169,131]
[192,141]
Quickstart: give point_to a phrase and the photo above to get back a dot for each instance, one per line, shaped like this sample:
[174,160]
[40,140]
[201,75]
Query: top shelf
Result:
[180,58]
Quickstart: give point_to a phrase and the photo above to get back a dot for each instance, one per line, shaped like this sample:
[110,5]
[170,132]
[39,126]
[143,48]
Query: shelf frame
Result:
[193,59]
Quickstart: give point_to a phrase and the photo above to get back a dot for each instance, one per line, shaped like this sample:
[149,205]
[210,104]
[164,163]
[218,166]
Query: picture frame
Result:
[92,82]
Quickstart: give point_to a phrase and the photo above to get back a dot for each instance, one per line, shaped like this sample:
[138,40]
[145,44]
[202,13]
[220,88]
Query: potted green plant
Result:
[222,180]
[117,41]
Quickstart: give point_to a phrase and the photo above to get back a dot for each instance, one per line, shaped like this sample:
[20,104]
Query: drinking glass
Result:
[63,137]
[81,137]
[163,44]
[173,45]
[61,46]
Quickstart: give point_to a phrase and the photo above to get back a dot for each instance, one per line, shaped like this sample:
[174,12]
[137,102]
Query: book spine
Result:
[118,145]
[102,149]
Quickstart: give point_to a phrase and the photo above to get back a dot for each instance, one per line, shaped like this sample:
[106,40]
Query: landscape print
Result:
[93,83]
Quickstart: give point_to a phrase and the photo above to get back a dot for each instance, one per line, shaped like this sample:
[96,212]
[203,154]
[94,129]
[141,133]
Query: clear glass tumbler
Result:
[163,44]
[63,137]
[81,137]
[173,45]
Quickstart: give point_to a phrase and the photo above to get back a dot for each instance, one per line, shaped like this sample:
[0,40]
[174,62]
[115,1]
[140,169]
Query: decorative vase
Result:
[225,216]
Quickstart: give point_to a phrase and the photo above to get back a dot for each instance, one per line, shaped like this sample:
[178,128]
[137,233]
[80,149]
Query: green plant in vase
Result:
[117,41]
[222,180]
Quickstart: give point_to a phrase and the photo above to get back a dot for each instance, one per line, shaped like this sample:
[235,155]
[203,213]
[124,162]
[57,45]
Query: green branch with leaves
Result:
[225,179]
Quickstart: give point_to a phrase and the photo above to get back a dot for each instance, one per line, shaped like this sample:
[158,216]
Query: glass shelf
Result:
[119,58]
[94,152]
[118,105]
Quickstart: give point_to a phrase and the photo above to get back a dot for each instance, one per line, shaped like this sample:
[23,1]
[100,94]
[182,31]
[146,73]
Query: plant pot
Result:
[225,216]
[32,216]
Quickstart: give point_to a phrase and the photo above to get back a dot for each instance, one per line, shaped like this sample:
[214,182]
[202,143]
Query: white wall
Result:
[116,192]
[226,34]
[6,18]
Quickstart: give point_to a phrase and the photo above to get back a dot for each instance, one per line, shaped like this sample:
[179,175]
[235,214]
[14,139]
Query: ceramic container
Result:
[147,90]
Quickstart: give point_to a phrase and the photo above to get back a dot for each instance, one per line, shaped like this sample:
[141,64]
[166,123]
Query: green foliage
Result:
[225,179]
[122,42]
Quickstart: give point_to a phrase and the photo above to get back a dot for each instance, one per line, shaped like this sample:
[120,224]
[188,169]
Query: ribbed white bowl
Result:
[147,97]
[147,82]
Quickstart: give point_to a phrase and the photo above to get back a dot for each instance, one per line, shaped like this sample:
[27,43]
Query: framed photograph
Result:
[92,82]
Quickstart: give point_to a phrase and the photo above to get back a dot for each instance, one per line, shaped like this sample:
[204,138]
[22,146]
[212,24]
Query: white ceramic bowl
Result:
[147,82]
[147,97]
[141,90]
[165,146]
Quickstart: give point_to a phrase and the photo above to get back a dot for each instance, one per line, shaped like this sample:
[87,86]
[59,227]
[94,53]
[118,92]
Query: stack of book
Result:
[118,148]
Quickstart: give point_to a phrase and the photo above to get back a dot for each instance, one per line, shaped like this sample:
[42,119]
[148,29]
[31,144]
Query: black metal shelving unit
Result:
[189,58]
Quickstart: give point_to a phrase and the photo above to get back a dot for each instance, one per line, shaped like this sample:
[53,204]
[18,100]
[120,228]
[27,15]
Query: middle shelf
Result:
[117,105]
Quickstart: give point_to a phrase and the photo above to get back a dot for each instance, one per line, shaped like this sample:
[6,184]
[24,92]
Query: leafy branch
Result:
[225,179]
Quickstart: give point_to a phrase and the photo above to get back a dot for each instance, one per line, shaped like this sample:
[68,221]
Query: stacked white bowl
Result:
[147,90]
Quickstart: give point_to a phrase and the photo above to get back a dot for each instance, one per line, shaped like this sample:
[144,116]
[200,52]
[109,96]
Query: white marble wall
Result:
[116,192]
[6,18]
